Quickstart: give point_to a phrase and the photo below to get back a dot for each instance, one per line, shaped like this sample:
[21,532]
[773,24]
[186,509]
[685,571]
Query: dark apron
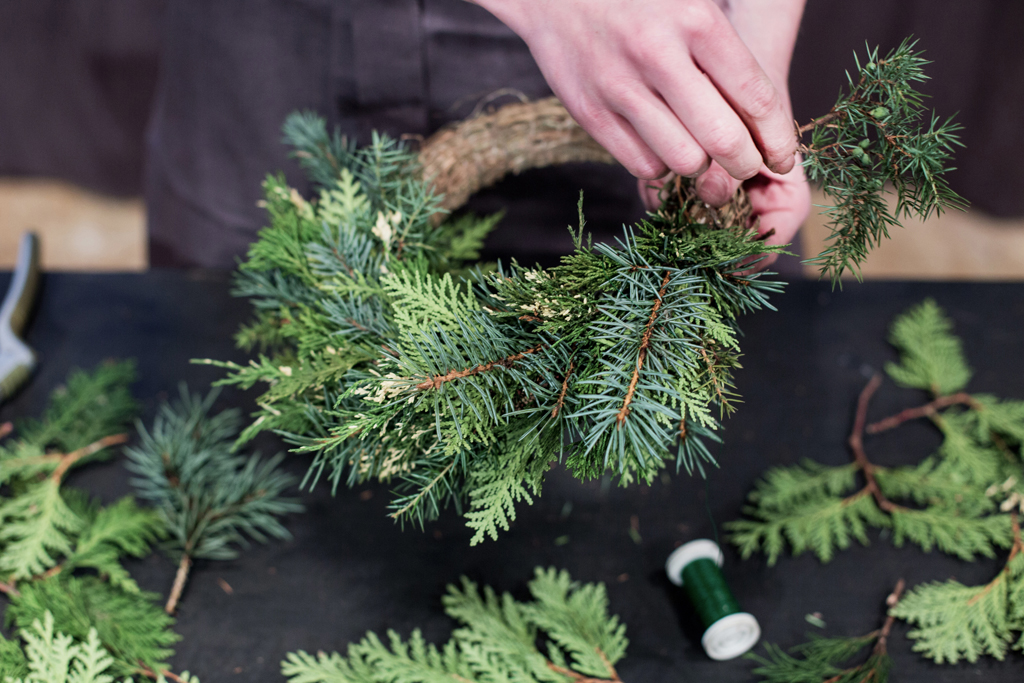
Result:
[232,71]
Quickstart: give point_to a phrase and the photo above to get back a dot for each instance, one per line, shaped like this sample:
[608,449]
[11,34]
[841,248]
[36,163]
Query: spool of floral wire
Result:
[728,631]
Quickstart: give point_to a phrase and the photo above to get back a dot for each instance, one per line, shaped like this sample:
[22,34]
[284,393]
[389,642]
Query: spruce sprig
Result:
[565,634]
[210,499]
[879,134]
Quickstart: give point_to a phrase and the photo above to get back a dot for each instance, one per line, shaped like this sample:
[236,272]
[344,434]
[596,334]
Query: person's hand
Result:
[664,85]
[780,203]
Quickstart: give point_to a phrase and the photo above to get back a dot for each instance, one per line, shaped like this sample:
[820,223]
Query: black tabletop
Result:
[349,569]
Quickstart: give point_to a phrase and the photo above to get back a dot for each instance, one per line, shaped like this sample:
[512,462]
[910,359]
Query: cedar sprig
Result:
[563,635]
[964,500]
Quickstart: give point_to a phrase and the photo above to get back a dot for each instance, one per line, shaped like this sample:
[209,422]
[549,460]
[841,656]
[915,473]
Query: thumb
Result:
[715,186]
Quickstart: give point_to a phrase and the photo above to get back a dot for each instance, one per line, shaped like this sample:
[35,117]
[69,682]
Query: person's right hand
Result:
[664,85]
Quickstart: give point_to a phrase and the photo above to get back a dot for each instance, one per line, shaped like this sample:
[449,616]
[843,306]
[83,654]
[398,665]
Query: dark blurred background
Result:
[85,82]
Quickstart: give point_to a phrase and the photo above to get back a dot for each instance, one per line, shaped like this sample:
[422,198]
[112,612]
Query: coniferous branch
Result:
[820,659]
[63,549]
[879,133]
[387,355]
[564,635]
[209,499]
[964,500]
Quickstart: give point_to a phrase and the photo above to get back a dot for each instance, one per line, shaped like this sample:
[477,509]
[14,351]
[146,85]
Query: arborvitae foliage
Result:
[60,552]
[963,500]
[387,356]
[565,634]
[831,660]
[209,499]
[50,656]
[879,133]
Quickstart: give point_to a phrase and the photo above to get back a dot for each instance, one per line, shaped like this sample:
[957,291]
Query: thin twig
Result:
[436,381]
[561,394]
[890,602]
[817,122]
[6,428]
[927,410]
[9,589]
[426,489]
[645,344]
[179,583]
[66,461]
[169,675]
[856,442]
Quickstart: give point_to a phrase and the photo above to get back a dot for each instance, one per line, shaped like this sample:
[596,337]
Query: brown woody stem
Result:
[927,410]
[179,584]
[856,442]
[561,394]
[645,344]
[436,381]
[890,602]
[6,428]
[66,461]
[817,122]
[9,589]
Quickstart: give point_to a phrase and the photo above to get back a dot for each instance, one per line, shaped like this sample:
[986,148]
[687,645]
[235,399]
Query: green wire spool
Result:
[728,631]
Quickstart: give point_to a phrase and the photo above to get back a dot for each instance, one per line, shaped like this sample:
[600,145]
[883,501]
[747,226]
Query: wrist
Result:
[512,13]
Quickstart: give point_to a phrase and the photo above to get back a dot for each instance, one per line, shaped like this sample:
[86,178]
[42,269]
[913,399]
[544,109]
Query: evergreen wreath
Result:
[390,355]
[499,639]
[964,500]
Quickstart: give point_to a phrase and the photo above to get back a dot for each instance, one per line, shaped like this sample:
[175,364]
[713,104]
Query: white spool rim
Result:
[731,636]
[701,549]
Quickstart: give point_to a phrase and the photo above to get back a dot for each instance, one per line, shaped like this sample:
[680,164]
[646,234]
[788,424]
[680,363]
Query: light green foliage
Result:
[956,622]
[35,529]
[821,660]
[60,552]
[209,499]
[564,634]
[931,357]
[52,657]
[964,501]
[88,407]
[119,530]
[131,626]
[879,134]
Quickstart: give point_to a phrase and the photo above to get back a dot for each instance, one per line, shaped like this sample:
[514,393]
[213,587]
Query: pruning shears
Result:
[17,360]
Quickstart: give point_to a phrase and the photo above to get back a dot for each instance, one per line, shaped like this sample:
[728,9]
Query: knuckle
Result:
[760,98]
[686,160]
[645,167]
[725,141]
[698,18]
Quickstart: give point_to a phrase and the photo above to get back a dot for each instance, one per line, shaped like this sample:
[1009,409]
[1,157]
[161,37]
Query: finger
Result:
[780,203]
[708,117]
[716,187]
[615,134]
[721,53]
[650,191]
[659,127]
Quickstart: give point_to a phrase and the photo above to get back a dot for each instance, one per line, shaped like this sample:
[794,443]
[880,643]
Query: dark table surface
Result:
[349,569]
